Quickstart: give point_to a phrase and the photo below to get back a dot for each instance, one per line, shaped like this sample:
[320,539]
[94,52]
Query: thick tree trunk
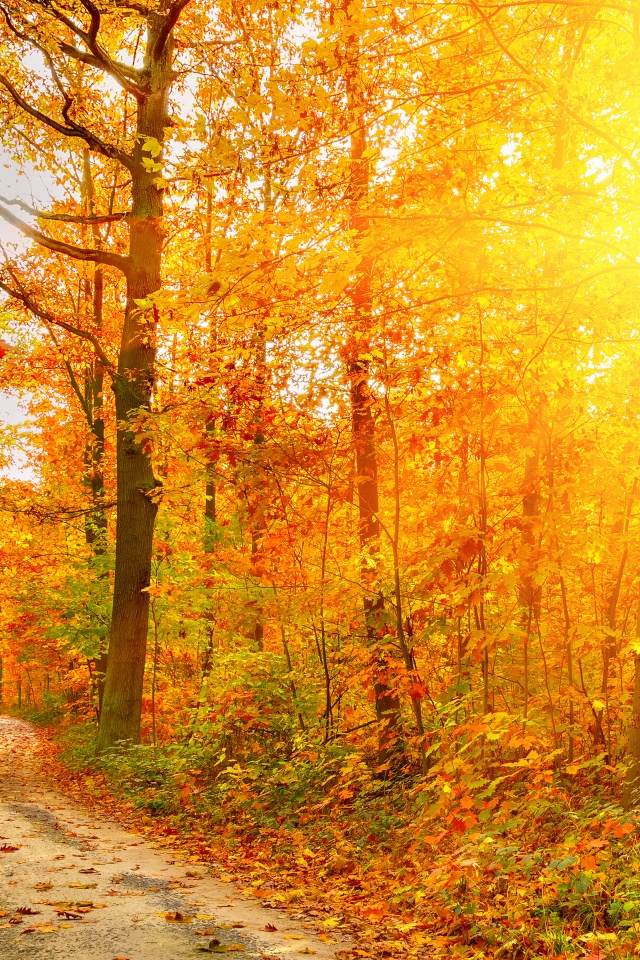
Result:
[137,506]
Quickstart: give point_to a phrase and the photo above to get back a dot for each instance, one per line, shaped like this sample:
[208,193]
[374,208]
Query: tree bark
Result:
[137,503]
[362,421]
[631,792]
[529,593]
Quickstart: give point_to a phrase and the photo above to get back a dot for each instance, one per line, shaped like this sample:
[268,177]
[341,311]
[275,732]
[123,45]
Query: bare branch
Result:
[25,298]
[124,75]
[169,23]
[73,130]
[140,8]
[127,76]
[72,379]
[64,217]
[68,249]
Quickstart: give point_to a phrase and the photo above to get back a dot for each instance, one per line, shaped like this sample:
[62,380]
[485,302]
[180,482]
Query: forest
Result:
[320,543]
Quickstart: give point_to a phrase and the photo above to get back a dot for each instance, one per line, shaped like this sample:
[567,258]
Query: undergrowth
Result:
[528,862]
[48,712]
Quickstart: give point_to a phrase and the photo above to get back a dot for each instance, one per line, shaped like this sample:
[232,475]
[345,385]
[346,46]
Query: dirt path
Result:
[77,889]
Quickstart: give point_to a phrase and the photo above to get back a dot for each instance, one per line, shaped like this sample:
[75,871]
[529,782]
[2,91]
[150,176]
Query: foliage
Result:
[392,424]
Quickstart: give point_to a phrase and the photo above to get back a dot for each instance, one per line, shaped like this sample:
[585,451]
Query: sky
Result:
[12,415]
[12,410]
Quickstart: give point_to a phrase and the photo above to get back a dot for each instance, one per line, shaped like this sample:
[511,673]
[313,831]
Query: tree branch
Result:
[68,249]
[169,23]
[123,74]
[140,8]
[72,379]
[27,301]
[74,130]
[126,76]
[64,217]
[592,127]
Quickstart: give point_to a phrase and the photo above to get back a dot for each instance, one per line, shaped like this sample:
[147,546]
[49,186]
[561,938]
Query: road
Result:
[73,887]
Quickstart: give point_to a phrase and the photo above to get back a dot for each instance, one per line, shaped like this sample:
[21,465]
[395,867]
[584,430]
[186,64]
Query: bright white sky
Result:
[12,411]
[13,414]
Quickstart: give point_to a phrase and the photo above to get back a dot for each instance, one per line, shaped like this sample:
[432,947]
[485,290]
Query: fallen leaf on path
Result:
[7,848]
[176,917]
[270,927]
[306,950]
[204,916]
[89,870]
[3,913]
[222,948]
[204,933]
[40,928]
[43,886]
[27,911]
[293,936]
[83,886]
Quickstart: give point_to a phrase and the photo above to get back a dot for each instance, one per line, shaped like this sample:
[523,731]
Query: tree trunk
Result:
[96,521]
[363,425]
[631,792]
[610,646]
[210,482]
[529,593]
[137,506]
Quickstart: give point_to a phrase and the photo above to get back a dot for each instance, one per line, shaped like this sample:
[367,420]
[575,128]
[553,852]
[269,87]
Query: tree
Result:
[66,41]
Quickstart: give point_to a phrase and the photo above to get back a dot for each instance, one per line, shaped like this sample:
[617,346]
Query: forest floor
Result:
[158,854]
[75,885]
